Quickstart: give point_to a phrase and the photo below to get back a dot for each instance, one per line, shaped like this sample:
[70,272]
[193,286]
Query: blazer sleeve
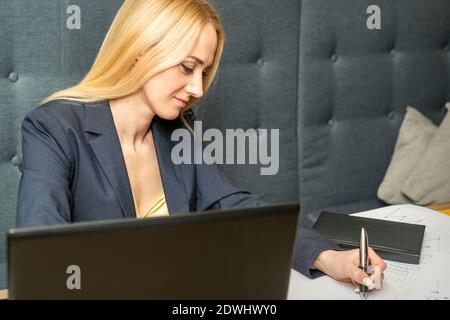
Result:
[215,191]
[44,197]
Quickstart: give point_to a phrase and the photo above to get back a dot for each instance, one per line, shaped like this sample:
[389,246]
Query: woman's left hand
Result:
[343,266]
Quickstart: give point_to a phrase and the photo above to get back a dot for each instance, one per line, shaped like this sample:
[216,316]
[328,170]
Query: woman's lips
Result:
[179,102]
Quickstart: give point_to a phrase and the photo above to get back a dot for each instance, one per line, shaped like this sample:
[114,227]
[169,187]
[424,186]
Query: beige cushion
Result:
[429,182]
[415,133]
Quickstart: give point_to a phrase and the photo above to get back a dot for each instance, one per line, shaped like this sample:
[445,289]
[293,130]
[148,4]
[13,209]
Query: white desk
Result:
[428,280]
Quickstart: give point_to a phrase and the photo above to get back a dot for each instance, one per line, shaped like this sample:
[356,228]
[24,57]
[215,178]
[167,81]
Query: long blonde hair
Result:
[161,33]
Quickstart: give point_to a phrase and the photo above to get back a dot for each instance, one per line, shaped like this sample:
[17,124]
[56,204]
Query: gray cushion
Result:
[415,133]
[430,180]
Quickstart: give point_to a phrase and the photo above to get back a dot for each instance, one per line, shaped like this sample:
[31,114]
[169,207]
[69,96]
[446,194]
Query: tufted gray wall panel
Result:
[257,85]
[354,86]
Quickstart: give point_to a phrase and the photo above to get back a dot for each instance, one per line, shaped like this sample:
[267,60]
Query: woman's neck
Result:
[132,118]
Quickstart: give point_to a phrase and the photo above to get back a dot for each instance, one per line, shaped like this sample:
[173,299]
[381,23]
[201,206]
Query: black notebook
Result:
[393,241]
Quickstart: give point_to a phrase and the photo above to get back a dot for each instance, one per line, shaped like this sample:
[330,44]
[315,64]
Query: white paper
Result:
[428,280]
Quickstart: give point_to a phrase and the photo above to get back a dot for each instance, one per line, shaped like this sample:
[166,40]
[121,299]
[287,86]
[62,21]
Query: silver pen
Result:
[363,261]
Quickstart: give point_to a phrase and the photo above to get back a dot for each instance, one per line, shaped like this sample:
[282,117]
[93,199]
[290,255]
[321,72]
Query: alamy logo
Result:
[374,20]
[74,280]
[74,20]
[235,139]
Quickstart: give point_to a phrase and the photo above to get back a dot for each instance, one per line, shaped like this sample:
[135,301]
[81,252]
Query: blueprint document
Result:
[428,280]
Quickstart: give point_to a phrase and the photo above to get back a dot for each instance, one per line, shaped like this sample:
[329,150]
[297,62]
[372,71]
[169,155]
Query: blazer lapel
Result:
[106,147]
[105,144]
[171,175]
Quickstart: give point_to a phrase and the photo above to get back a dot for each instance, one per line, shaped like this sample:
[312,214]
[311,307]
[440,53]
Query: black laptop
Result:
[226,254]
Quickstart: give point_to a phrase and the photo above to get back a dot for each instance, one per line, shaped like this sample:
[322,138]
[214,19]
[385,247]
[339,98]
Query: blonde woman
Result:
[101,149]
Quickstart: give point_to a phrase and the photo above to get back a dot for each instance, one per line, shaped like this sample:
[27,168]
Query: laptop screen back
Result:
[229,254]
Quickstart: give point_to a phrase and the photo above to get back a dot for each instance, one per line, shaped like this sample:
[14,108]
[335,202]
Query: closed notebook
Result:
[393,241]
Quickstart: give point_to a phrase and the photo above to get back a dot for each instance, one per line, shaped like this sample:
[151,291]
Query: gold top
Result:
[158,209]
[4,294]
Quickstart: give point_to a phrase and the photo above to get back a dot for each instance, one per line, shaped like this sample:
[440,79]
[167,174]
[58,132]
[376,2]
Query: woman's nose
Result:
[195,87]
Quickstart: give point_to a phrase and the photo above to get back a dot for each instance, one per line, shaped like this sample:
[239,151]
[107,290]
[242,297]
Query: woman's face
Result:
[168,91]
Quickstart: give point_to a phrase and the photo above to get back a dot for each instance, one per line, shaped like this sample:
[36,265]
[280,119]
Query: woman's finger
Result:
[375,260]
[361,277]
[376,277]
[355,286]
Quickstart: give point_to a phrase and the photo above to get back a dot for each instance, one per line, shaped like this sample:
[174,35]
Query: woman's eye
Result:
[187,69]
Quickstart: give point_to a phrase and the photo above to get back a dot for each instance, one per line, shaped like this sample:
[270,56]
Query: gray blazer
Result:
[73,170]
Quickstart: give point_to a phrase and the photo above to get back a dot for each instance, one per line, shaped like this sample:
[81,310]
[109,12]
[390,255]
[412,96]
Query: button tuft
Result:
[15,160]
[13,77]
[260,62]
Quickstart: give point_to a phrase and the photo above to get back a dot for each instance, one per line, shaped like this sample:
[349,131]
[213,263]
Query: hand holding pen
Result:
[344,266]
